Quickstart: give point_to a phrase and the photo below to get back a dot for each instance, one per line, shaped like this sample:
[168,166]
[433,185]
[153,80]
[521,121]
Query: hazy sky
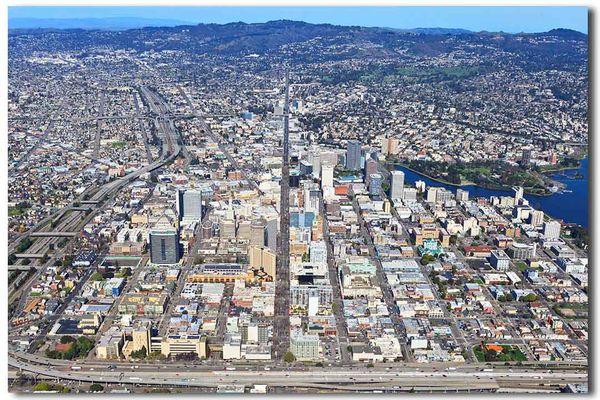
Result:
[507,19]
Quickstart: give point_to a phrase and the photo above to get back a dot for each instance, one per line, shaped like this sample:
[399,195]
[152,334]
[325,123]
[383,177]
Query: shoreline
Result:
[459,185]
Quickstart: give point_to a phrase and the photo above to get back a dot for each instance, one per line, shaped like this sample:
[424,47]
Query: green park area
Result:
[498,353]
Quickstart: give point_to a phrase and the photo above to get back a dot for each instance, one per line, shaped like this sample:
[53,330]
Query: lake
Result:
[571,205]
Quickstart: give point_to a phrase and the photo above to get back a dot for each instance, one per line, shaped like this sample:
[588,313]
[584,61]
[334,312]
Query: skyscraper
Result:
[526,157]
[164,246]
[462,195]
[397,188]
[518,193]
[370,168]
[536,218]
[353,155]
[375,184]
[552,229]
[189,205]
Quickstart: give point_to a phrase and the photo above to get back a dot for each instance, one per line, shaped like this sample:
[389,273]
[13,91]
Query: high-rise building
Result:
[370,168]
[326,176]
[526,157]
[462,195]
[189,205]
[271,230]
[257,232]
[431,194]
[227,228]
[164,246]
[353,155]
[536,218]
[552,229]
[262,258]
[518,190]
[375,181]
[397,185]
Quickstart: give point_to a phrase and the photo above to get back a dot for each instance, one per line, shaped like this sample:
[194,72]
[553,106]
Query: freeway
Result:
[74,221]
[359,377]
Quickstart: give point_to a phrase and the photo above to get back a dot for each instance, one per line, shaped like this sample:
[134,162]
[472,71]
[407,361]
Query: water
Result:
[571,205]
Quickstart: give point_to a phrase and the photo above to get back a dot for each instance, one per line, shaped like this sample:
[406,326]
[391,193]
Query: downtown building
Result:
[164,246]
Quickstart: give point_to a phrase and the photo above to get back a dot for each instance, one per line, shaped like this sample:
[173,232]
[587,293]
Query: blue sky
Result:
[507,19]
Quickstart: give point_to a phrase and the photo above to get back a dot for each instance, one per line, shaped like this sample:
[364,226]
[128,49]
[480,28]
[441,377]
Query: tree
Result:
[96,276]
[96,387]
[42,387]
[289,357]
[67,339]
[141,353]
[530,297]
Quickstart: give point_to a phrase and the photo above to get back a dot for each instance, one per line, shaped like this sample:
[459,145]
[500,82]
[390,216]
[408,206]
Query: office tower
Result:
[375,181]
[432,194]
[397,185]
[353,155]
[462,195]
[257,232]
[179,203]
[313,306]
[227,229]
[262,258]
[370,168]
[192,205]
[393,144]
[420,185]
[518,193]
[385,146]
[271,233]
[526,157]
[244,231]
[164,246]
[326,176]
[189,205]
[536,218]
[552,229]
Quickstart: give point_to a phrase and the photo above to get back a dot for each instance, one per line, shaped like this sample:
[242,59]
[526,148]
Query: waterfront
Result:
[570,205]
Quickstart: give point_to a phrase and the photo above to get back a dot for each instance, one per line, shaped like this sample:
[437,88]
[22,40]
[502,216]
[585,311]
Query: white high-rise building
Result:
[536,218]
[397,188]
[518,193]
[192,205]
[326,176]
[462,195]
[552,229]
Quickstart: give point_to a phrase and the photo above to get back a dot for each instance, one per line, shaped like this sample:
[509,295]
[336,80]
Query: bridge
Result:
[54,234]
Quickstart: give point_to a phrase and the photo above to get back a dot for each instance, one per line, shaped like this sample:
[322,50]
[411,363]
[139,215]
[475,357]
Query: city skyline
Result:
[288,207]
